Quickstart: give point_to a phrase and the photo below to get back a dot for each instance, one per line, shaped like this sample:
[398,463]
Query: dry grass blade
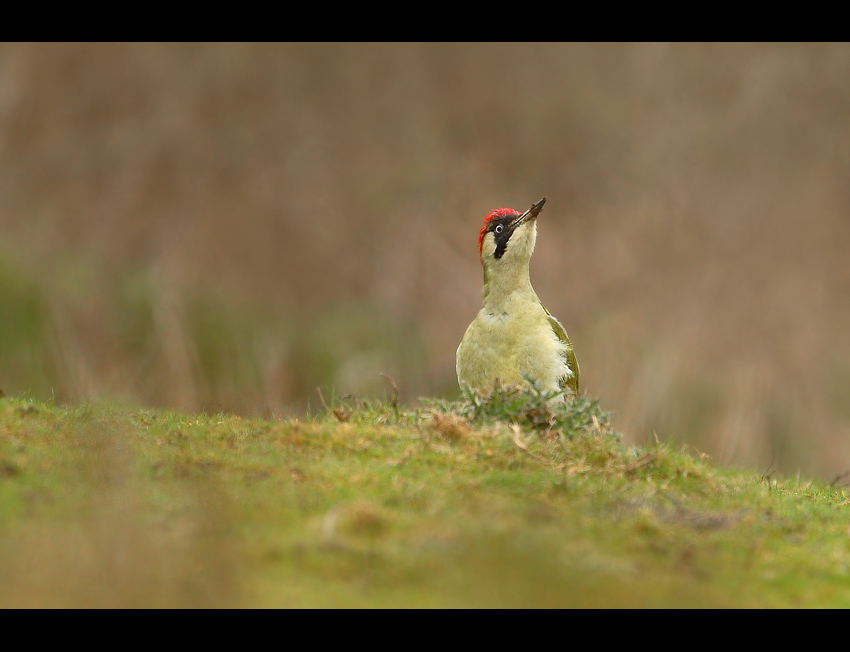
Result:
[516,435]
[394,386]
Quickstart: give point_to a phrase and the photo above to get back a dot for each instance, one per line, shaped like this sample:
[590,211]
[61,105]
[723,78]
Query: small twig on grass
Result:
[342,413]
[322,398]
[767,475]
[394,386]
[597,427]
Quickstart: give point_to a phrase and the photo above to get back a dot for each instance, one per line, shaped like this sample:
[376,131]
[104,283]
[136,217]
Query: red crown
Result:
[492,215]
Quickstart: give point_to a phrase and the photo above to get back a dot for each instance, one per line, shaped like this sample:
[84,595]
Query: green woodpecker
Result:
[513,335]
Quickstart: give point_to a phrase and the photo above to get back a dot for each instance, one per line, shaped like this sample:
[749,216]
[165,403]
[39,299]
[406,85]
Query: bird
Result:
[514,338]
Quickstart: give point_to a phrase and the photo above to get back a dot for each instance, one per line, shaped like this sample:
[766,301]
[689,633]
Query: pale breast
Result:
[510,345]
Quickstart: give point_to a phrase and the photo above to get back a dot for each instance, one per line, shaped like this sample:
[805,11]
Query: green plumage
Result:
[514,337]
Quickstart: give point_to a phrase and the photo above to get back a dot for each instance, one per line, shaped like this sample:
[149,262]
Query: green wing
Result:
[573,381]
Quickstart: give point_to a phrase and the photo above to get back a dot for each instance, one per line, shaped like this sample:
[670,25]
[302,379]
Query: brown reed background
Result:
[229,226]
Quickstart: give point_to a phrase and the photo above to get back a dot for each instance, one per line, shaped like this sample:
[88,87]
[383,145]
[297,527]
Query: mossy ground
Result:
[506,500]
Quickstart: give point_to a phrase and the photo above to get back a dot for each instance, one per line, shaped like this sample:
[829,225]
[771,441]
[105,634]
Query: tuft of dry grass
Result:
[449,426]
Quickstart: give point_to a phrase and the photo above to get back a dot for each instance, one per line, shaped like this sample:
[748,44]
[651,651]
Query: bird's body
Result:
[514,336]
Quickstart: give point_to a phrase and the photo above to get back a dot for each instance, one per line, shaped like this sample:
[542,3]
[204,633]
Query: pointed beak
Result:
[529,215]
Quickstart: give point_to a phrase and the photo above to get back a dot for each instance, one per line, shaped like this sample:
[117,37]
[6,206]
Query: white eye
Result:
[499,228]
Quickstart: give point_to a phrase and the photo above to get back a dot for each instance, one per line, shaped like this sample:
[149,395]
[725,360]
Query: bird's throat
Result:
[503,282]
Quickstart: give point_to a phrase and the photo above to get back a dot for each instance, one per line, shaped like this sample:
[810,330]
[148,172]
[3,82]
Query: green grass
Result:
[506,500]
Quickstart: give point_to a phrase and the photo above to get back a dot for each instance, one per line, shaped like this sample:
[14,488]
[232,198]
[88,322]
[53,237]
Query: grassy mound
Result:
[506,499]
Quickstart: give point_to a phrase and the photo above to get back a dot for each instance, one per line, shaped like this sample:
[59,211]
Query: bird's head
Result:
[507,237]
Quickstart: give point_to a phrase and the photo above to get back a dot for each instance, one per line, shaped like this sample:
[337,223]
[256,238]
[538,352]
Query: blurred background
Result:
[227,227]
